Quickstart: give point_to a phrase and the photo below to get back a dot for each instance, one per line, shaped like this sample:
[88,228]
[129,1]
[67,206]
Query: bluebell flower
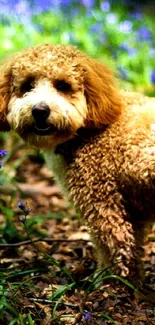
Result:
[22,7]
[40,5]
[87,316]
[144,33]
[15,7]
[123,47]
[136,15]
[130,50]
[3,153]
[126,26]
[64,3]
[95,28]
[22,206]
[111,18]
[88,3]
[19,10]
[153,77]
[105,6]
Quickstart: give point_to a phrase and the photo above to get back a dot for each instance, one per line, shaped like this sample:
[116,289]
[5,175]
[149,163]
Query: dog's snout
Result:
[40,111]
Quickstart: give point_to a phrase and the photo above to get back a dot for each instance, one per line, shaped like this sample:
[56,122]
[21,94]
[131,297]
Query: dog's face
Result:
[47,105]
[48,92]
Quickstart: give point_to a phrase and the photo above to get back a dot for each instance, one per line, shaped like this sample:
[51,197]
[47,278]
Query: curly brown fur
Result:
[99,142]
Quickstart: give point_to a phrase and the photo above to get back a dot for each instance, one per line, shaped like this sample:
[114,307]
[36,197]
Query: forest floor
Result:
[47,260]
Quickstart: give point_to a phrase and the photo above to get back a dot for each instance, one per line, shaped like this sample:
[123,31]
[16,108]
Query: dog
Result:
[98,140]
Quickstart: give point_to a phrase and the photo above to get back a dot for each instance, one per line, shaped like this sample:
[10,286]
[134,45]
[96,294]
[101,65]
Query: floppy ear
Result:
[5,93]
[103,98]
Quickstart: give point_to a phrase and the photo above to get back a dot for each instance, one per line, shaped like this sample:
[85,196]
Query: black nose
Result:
[40,112]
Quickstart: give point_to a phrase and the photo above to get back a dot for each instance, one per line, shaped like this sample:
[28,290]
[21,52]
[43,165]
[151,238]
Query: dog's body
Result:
[99,143]
[109,175]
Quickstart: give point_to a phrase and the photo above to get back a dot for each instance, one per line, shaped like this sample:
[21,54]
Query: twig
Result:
[52,301]
[31,190]
[47,240]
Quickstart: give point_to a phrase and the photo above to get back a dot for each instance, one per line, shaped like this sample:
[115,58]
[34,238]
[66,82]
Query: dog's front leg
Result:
[115,243]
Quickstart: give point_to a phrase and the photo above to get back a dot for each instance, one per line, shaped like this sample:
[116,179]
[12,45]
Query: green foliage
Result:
[120,35]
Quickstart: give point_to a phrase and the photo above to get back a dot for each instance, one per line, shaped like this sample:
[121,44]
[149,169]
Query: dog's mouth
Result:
[44,129]
[41,129]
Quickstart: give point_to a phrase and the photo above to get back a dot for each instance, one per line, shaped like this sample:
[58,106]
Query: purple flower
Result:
[39,6]
[19,7]
[136,15]
[125,26]
[153,77]
[95,28]
[130,50]
[105,6]
[144,33]
[123,47]
[111,18]
[87,316]
[22,206]
[3,153]
[88,3]
[64,3]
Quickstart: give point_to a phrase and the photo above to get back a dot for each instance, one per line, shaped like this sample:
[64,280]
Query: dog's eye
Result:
[63,86]
[27,86]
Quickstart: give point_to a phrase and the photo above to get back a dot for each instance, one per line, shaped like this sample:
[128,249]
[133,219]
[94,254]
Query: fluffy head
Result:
[50,91]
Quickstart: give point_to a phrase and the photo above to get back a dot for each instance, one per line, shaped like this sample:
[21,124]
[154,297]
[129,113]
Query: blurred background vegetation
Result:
[120,32]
